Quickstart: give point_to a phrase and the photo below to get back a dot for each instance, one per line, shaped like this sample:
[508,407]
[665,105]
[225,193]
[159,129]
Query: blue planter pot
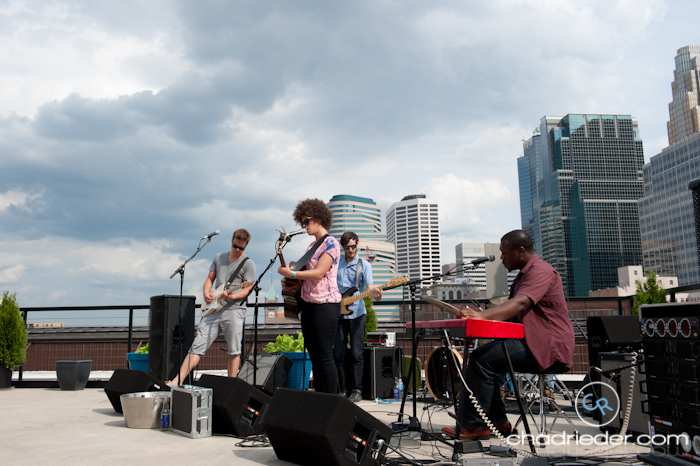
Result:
[297,378]
[138,361]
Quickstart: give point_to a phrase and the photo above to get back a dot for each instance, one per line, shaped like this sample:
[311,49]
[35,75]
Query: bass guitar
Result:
[350,297]
[217,303]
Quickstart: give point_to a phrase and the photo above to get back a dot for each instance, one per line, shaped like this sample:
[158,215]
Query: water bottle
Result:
[400,387]
[165,415]
[397,389]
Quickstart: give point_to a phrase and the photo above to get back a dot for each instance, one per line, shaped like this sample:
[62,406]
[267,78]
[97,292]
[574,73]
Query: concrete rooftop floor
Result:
[39,425]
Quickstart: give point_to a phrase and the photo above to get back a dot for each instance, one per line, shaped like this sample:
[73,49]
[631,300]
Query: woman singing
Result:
[320,304]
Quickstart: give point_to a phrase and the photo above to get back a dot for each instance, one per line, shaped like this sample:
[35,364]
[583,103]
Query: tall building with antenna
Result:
[666,210]
[363,216]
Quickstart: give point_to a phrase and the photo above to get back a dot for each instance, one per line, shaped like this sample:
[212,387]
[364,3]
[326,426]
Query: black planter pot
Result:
[5,377]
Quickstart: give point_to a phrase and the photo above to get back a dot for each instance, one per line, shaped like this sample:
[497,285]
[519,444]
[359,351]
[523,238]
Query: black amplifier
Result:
[671,343]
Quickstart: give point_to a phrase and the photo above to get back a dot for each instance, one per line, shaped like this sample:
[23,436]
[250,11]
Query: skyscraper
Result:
[491,278]
[412,225]
[684,111]
[666,210]
[364,217]
[586,197]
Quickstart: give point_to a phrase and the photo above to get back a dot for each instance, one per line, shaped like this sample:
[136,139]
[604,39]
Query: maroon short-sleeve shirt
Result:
[548,330]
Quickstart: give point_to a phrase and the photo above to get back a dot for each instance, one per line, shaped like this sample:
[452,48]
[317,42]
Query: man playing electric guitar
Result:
[353,272]
[227,271]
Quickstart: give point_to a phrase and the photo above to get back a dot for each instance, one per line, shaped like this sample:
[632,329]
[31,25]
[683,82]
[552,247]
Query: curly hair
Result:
[316,209]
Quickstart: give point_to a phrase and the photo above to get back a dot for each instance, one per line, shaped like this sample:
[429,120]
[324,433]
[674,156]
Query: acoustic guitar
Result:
[217,303]
[349,297]
[291,293]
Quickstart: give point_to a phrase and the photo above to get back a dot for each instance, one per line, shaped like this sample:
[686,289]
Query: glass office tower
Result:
[586,198]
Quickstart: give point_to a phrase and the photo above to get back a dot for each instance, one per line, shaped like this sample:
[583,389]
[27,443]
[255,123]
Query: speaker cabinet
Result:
[639,422]
[129,381]
[612,333]
[237,406]
[310,428]
[170,334]
[271,373]
[381,367]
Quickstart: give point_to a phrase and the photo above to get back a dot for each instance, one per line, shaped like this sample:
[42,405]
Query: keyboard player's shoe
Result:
[466,434]
[503,427]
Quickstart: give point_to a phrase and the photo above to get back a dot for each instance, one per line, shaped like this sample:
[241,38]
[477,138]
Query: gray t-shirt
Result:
[224,269]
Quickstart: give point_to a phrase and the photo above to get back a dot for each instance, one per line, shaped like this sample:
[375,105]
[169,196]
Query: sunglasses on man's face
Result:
[240,248]
[350,246]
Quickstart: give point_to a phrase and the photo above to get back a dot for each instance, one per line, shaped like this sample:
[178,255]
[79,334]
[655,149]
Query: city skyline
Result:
[126,134]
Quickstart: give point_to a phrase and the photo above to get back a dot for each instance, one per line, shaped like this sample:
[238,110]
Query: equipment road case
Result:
[191,410]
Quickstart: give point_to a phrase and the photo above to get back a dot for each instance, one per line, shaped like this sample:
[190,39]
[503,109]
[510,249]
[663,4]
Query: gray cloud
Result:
[158,122]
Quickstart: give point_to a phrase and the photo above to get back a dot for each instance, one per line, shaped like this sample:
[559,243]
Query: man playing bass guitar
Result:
[355,274]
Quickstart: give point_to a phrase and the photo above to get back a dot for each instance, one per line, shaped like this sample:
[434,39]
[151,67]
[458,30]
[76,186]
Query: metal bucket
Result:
[142,409]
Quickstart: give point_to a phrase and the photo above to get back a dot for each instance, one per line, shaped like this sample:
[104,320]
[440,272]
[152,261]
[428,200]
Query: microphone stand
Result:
[414,424]
[181,270]
[282,241]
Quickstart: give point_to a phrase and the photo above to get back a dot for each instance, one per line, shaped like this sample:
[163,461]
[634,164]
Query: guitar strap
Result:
[358,274]
[305,258]
[235,273]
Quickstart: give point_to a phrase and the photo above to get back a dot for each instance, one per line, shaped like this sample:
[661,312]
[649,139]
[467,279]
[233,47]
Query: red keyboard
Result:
[474,328]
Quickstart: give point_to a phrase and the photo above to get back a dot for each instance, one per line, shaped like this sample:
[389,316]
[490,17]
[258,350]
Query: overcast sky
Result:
[129,130]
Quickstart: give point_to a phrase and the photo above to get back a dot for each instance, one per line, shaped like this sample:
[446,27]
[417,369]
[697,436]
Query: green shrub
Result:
[13,333]
[371,319]
[142,349]
[286,344]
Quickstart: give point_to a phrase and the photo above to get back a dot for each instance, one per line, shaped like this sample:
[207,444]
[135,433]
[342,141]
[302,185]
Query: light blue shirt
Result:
[347,274]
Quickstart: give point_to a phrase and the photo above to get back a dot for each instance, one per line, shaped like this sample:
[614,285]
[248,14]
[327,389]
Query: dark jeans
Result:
[485,363]
[350,376]
[319,323]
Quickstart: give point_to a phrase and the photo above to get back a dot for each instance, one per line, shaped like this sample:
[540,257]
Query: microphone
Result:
[295,233]
[211,234]
[481,260]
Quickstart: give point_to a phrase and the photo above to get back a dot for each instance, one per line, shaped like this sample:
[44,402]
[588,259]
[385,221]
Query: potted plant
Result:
[138,360]
[13,338]
[293,348]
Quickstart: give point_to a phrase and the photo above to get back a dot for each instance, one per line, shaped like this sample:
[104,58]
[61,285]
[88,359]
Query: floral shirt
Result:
[325,289]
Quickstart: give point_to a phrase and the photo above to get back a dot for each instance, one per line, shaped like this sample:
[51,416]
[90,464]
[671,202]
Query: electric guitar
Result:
[348,297]
[217,303]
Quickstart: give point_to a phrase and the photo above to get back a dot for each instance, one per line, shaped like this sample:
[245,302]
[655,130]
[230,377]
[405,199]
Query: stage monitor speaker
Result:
[271,374]
[129,381]
[381,367]
[169,339]
[310,428]
[639,422]
[612,333]
[237,406]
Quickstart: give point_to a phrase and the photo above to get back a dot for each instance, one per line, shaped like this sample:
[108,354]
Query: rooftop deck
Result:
[40,425]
